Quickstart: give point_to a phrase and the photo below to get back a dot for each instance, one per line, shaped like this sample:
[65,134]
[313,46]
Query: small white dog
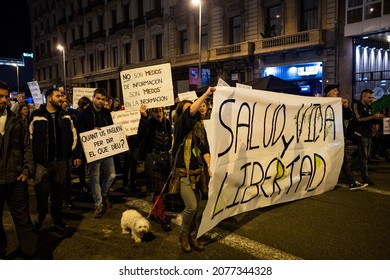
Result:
[138,225]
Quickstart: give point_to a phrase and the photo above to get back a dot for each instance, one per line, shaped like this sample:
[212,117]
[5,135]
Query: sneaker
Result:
[60,226]
[165,225]
[99,211]
[357,185]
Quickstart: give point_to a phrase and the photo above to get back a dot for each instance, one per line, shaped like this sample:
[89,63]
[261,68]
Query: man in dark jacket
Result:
[333,91]
[54,142]
[16,166]
[96,116]
[363,121]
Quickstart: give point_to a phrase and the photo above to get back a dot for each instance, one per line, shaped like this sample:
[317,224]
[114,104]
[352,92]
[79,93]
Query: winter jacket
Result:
[363,119]
[89,119]
[15,150]
[157,137]
[54,136]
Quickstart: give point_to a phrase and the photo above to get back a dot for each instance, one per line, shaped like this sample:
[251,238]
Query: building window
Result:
[309,18]
[89,27]
[355,15]
[115,56]
[50,72]
[273,24]
[183,42]
[101,23]
[74,66]
[386,7]
[235,30]
[372,10]
[205,37]
[126,13]
[140,8]
[91,64]
[101,57]
[127,53]
[159,46]
[113,18]
[73,35]
[82,65]
[141,50]
[81,31]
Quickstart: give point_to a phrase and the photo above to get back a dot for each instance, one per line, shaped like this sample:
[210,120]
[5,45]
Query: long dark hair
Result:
[179,109]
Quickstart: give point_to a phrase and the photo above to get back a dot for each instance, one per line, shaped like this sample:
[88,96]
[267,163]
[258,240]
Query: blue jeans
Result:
[364,147]
[192,212]
[101,170]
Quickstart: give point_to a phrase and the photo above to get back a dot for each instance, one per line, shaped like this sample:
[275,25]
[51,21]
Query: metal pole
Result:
[63,59]
[17,75]
[200,46]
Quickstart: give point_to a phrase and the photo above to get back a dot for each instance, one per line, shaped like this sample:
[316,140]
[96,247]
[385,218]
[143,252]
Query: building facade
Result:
[298,40]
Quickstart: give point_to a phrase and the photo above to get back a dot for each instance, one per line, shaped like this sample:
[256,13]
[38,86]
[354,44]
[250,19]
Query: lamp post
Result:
[61,48]
[199,3]
[17,75]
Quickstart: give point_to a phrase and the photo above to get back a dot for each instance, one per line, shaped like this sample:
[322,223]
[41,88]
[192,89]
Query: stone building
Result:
[308,42]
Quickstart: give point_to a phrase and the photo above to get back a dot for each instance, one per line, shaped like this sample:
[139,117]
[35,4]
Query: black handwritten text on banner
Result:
[276,148]
[104,142]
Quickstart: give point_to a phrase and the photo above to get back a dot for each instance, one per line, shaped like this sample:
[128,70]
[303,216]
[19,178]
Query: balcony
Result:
[152,14]
[287,42]
[232,51]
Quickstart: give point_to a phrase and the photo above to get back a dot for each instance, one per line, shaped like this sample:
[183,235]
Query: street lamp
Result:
[17,75]
[61,48]
[199,3]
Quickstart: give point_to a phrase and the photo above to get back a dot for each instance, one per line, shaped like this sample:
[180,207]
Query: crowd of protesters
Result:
[45,146]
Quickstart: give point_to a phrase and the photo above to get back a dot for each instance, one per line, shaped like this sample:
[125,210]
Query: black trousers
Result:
[17,198]
[52,180]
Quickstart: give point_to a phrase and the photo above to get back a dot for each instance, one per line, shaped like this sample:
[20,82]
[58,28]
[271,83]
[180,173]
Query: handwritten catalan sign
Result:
[129,120]
[189,95]
[104,142]
[242,86]
[36,93]
[386,126]
[276,149]
[150,85]
[79,92]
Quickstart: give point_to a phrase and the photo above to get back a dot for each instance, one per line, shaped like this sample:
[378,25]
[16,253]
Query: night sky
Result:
[15,29]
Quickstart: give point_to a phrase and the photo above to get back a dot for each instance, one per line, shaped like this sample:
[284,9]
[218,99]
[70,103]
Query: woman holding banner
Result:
[156,132]
[190,143]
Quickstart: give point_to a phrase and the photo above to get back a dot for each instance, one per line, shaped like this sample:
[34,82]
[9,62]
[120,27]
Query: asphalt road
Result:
[337,225]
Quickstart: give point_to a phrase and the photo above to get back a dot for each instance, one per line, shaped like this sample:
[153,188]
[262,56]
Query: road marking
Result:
[238,242]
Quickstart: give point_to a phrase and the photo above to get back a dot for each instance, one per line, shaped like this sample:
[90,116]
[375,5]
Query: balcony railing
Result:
[231,51]
[297,40]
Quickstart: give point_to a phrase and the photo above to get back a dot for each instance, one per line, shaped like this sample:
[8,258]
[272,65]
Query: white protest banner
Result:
[104,142]
[276,148]
[242,86]
[189,95]
[36,93]
[129,120]
[150,85]
[79,92]
[222,83]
